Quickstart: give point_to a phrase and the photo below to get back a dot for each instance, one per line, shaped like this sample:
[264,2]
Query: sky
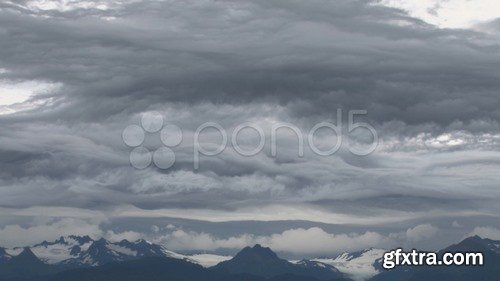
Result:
[112,114]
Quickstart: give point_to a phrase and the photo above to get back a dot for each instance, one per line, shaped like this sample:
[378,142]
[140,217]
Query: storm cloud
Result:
[75,74]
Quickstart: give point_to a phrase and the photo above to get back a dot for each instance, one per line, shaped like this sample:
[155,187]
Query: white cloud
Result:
[449,13]
[271,213]
[155,229]
[421,232]
[128,235]
[15,95]
[486,232]
[67,5]
[311,241]
[182,240]
[17,236]
[317,241]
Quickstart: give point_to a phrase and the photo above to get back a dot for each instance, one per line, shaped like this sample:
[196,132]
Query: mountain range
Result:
[82,258]
[75,251]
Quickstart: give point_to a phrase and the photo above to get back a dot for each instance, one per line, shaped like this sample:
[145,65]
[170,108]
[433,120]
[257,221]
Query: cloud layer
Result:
[88,69]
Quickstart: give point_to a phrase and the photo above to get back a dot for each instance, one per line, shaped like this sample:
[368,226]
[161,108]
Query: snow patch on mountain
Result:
[208,260]
[83,250]
[14,251]
[62,249]
[358,266]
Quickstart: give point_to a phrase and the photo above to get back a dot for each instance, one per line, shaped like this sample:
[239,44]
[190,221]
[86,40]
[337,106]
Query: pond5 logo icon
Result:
[135,135]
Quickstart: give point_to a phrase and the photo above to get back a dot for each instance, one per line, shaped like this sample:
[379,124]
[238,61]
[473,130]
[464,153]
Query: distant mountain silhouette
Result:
[262,261]
[257,260]
[142,260]
[26,264]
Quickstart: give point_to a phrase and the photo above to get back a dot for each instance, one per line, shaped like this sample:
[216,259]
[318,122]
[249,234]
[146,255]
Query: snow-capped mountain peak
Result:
[84,251]
[66,247]
[103,251]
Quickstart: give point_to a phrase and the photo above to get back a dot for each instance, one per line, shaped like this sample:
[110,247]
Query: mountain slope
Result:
[360,265]
[263,262]
[257,260]
[61,249]
[317,269]
[26,264]
[4,256]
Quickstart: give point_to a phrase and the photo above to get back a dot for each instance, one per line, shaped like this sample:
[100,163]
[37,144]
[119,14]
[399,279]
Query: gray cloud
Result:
[432,95]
